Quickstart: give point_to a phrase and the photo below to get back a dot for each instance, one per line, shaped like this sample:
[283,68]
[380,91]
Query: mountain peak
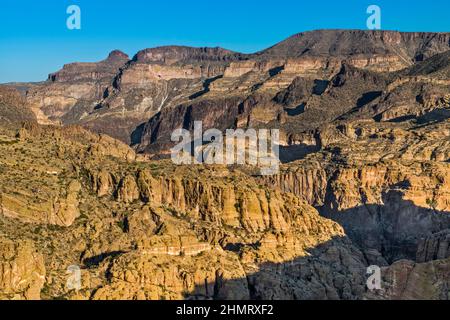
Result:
[117,54]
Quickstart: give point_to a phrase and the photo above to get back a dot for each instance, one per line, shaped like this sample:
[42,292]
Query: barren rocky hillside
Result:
[365,180]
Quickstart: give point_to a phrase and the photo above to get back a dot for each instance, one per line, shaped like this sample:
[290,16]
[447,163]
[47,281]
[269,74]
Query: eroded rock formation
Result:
[365,141]
[22,270]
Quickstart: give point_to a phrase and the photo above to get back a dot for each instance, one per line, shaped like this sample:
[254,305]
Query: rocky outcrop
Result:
[387,207]
[60,211]
[48,191]
[435,247]
[407,280]
[179,54]
[13,108]
[238,69]
[208,271]
[95,71]
[66,211]
[137,276]
[155,136]
[103,183]
[253,234]
[309,182]
[247,207]
[152,230]
[107,146]
[128,190]
[22,270]
[142,75]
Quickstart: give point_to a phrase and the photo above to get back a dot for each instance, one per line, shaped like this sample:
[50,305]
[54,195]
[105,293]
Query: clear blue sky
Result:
[35,41]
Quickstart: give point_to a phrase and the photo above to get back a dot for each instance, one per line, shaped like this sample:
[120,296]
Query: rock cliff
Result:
[364,180]
[118,95]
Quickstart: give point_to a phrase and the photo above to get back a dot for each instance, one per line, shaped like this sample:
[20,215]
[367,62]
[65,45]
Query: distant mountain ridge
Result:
[118,95]
[414,45]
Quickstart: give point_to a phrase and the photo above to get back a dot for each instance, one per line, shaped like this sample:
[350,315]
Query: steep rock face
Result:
[71,93]
[13,108]
[54,101]
[437,66]
[67,210]
[61,210]
[143,75]
[116,96]
[309,182]
[332,270]
[217,113]
[406,280]
[46,191]
[385,207]
[105,69]
[409,46]
[136,276]
[434,247]
[354,186]
[128,190]
[22,270]
[238,69]
[256,244]
[152,231]
[247,207]
[206,271]
[175,54]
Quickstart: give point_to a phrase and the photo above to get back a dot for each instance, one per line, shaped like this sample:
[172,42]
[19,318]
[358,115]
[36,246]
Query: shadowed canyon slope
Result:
[365,144]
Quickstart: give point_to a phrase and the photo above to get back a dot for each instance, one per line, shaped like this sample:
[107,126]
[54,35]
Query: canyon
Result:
[364,118]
